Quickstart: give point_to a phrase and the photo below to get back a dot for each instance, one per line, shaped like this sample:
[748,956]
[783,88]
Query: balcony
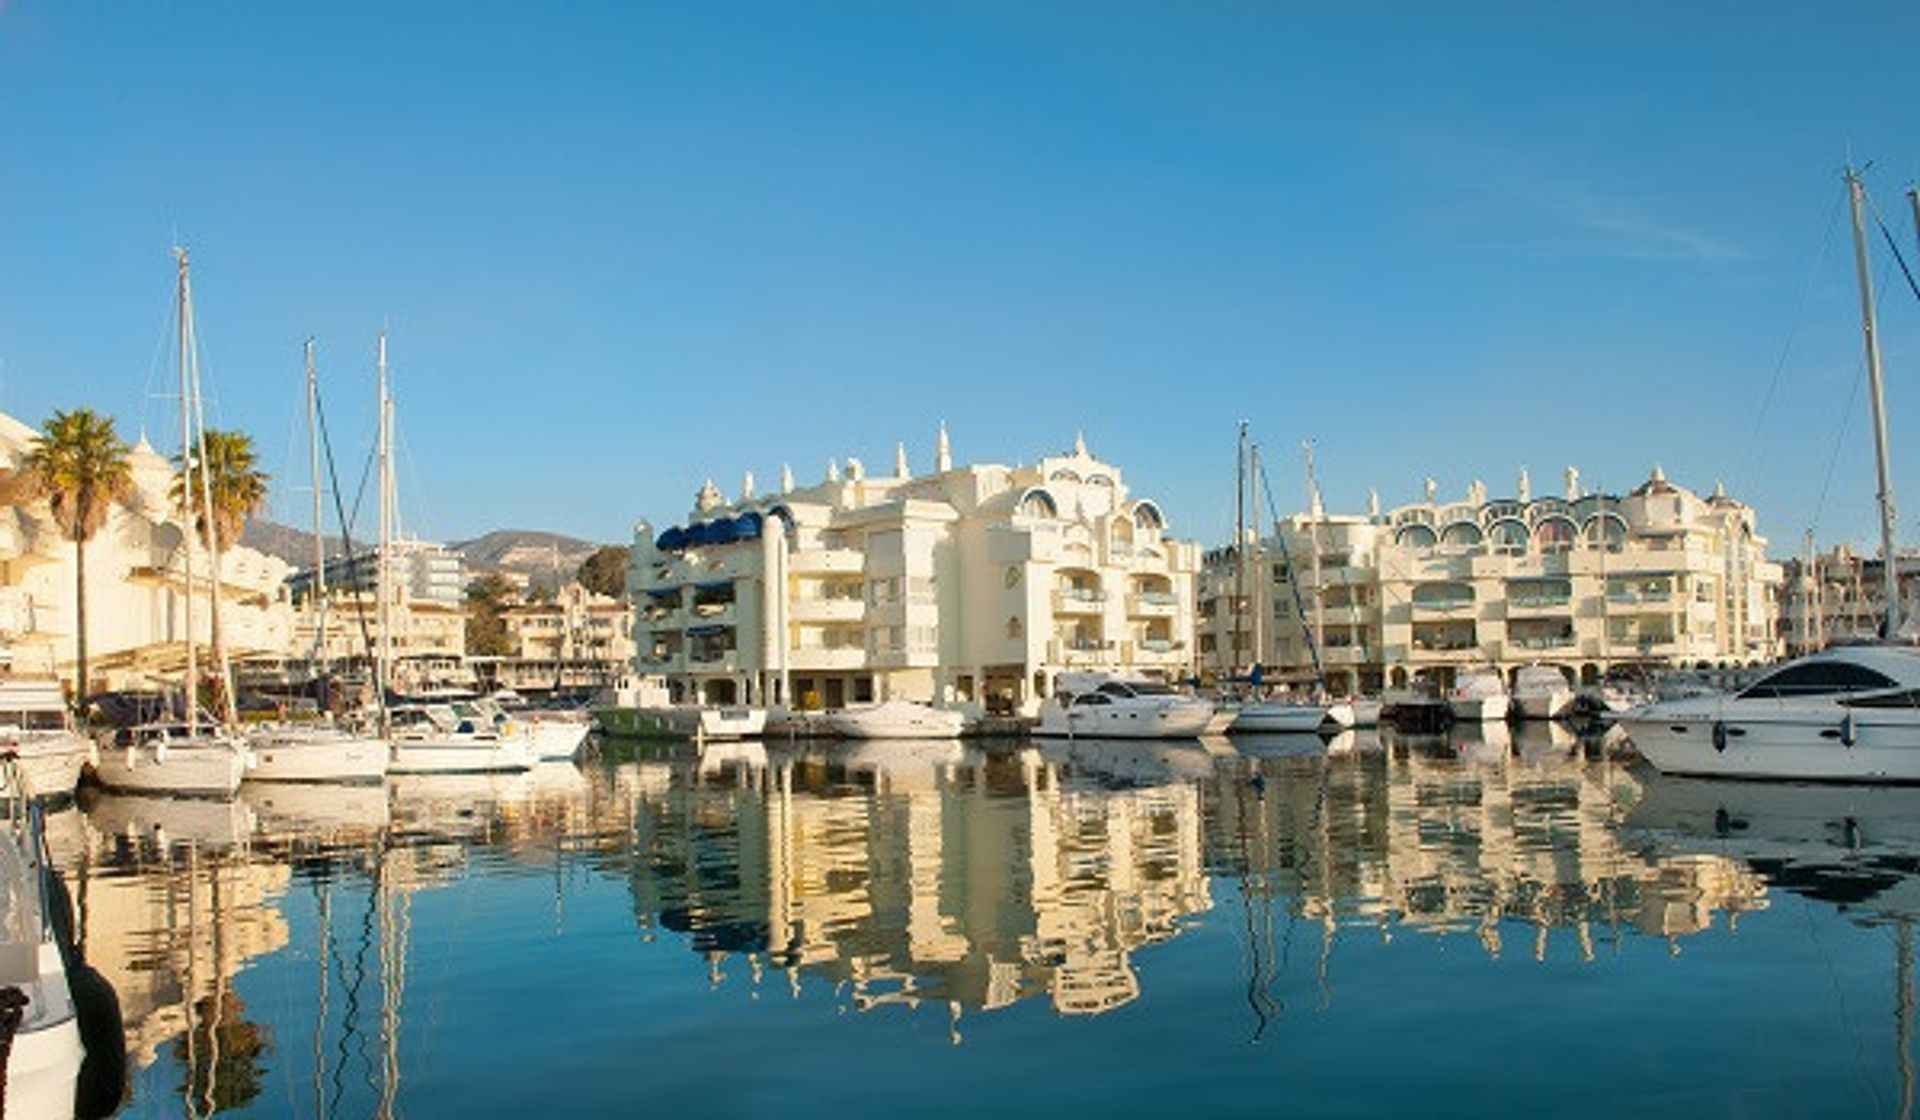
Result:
[835,561]
[826,658]
[1079,600]
[1152,604]
[826,610]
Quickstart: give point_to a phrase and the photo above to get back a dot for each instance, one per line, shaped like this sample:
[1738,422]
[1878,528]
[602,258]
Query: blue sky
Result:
[621,248]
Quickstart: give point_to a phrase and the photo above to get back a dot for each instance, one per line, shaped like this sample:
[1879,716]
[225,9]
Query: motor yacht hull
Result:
[456,755]
[1543,705]
[558,739]
[1479,709]
[1184,721]
[896,721]
[1711,737]
[1284,718]
[191,769]
[318,757]
[51,764]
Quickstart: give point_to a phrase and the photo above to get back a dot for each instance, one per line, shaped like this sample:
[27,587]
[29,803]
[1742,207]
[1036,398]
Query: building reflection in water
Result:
[889,874]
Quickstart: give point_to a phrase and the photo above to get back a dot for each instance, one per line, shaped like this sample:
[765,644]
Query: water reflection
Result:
[956,877]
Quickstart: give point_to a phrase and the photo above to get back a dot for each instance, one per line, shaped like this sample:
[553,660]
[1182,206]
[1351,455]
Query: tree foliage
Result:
[605,572]
[234,479]
[79,469]
[488,597]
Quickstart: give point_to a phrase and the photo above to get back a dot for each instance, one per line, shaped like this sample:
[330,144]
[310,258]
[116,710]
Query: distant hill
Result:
[524,552]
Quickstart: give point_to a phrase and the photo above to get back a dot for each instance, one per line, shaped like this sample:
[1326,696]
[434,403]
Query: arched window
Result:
[1555,534]
[1461,534]
[1039,503]
[1509,535]
[1147,516]
[1415,535]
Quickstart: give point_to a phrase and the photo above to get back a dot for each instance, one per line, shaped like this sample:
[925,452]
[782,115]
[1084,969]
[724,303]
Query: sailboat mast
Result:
[1856,196]
[318,587]
[229,711]
[184,315]
[1256,579]
[1239,545]
[382,568]
[1316,513]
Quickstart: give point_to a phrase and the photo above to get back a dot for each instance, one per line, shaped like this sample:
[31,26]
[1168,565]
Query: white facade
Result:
[1587,582]
[967,586]
[136,608]
[576,640]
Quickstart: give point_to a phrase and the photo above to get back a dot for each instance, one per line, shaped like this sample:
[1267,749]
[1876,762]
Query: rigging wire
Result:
[1786,349]
[1293,581]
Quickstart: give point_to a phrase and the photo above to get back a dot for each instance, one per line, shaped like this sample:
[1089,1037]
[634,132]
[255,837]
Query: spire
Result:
[1477,492]
[856,470]
[1526,486]
[786,479]
[746,486]
[1658,474]
[943,451]
[1080,444]
[900,468]
[1573,483]
[833,470]
[1373,505]
[708,497]
[1432,489]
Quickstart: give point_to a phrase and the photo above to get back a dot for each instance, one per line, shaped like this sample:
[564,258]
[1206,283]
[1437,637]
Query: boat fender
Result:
[1719,735]
[1849,735]
[131,755]
[103,1070]
[160,752]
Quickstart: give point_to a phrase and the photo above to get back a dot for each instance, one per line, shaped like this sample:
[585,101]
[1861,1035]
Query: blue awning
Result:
[664,592]
[714,585]
[672,540]
[699,630]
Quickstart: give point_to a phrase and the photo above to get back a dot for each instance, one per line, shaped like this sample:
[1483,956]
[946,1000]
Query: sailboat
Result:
[1289,715]
[317,753]
[463,735]
[1850,713]
[194,754]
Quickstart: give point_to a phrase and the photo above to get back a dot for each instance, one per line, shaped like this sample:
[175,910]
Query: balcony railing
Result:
[1078,600]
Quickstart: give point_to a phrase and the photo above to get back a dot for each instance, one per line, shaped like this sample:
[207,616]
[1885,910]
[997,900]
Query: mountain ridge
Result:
[525,552]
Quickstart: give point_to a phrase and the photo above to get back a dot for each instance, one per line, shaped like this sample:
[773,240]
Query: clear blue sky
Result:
[625,247]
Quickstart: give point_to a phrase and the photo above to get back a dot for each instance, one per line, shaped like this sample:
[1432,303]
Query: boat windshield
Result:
[1817,678]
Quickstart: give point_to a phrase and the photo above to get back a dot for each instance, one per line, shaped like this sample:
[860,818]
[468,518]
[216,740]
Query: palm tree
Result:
[79,469]
[237,487]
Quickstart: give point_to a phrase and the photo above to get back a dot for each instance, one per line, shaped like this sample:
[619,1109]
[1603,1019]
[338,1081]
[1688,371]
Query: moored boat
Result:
[172,758]
[1541,692]
[35,727]
[316,754]
[895,719]
[1105,706]
[1479,695]
[1282,716]
[455,739]
[1851,713]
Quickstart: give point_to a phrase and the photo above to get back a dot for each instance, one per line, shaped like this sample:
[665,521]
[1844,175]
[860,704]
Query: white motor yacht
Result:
[316,754]
[1479,695]
[1542,692]
[895,719]
[1851,713]
[456,738]
[557,736]
[46,1050]
[35,727]
[1104,706]
[172,758]
[1282,716]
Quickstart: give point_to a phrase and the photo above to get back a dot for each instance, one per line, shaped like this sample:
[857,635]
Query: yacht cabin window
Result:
[1817,678]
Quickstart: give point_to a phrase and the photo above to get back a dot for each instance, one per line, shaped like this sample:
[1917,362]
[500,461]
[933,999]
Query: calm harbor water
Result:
[1453,924]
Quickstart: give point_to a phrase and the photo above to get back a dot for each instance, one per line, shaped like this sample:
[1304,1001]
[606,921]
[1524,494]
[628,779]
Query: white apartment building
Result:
[1841,596]
[136,583]
[1589,582]
[971,586]
[575,640]
[426,611]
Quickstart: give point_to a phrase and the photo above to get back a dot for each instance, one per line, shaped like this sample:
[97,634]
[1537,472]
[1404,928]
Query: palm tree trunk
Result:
[80,623]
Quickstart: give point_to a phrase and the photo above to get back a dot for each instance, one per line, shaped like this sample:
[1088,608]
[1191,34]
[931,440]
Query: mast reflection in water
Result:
[1150,925]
